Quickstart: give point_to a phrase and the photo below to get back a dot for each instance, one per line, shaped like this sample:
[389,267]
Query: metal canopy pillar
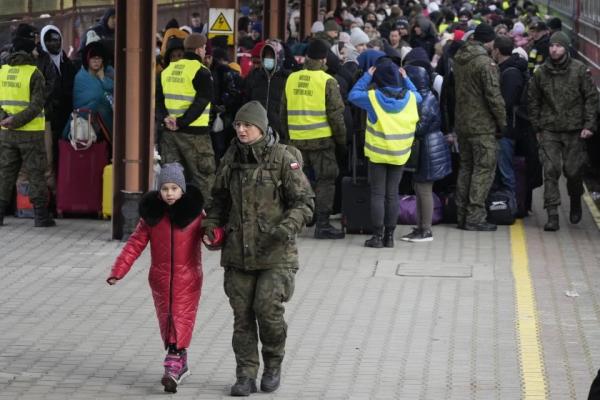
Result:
[275,19]
[133,143]
[309,12]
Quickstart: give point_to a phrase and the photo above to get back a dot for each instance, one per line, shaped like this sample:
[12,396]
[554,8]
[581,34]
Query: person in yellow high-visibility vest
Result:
[184,91]
[312,116]
[22,126]
[392,116]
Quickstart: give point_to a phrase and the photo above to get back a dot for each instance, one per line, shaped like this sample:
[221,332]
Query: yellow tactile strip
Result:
[530,348]
[592,206]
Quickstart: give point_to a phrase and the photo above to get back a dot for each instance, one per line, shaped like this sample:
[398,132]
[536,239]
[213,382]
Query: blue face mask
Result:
[269,63]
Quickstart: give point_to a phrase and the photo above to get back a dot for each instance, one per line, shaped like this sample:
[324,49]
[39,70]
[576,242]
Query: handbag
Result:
[407,210]
[81,133]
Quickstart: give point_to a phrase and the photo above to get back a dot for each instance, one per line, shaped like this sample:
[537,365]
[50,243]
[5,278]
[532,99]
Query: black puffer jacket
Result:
[434,152]
[513,79]
[268,87]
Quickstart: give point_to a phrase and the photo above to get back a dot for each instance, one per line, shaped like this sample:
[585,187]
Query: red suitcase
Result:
[79,181]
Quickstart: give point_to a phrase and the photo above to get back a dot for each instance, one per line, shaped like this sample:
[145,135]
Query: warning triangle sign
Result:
[221,24]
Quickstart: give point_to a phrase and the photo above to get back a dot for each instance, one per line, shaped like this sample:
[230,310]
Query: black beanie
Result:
[22,44]
[317,49]
[25,31]
[484,33]
[387,75]
[94,49]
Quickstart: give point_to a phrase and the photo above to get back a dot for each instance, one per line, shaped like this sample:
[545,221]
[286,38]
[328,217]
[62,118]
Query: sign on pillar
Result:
[221,22]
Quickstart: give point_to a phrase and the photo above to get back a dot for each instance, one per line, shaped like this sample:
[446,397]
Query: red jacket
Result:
[175,273]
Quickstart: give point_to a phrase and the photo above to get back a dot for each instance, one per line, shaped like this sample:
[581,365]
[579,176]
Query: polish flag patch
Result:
[295,165]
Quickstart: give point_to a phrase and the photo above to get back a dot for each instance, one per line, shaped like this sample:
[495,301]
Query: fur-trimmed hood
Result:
[152,208]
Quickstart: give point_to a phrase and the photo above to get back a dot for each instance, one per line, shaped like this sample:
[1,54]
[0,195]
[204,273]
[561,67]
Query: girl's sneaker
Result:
[418,235]
[176,369]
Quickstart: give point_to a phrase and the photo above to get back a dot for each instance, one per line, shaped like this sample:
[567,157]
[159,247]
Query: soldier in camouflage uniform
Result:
[563,102]
[263,199]
[22,124]
[312,116]
[480,117]
[188,83]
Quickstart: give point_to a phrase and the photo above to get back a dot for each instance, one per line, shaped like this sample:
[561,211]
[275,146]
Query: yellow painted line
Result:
[592,206]
[531,359]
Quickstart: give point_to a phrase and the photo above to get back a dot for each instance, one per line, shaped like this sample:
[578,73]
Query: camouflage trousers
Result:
[258,297]
[478,154]
[195,153]
[325,168]
[27,150]
[562,151]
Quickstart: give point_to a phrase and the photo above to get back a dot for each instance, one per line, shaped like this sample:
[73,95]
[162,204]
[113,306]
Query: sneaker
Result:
[418,235]
[176,369]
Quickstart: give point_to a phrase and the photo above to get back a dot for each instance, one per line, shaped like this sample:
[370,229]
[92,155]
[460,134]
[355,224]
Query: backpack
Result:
[520,110]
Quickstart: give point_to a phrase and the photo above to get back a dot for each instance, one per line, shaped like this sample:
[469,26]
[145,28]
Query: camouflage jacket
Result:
[335,115]
[263,199]
[479,104]
[562,97]
[36,87]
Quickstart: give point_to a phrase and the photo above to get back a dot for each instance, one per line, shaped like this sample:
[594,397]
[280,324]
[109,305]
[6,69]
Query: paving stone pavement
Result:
[441,326]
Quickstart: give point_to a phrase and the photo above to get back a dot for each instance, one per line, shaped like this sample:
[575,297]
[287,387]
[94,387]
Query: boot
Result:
[324,230]
[243,386]
[388,236]
[376,240]
[270,380]
[42,218]
[575,211]
[552,224]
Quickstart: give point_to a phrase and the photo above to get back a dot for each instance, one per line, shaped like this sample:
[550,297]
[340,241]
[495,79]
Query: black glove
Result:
[280,233]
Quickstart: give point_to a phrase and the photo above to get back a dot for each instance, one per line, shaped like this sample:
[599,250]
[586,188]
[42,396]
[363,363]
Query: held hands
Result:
[586,133]
[213,238]
[171,123]
[7,122]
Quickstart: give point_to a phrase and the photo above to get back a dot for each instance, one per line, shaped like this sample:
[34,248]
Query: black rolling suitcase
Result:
[356,199]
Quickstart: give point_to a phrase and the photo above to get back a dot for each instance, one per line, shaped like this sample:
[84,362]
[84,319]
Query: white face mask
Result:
[269,63]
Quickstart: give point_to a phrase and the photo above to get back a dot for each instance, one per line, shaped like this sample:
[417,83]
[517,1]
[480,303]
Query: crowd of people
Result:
[444,95]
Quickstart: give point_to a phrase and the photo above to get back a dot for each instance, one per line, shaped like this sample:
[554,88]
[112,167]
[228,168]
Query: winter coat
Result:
[175,274]
[434,153]
[513,78]
[104,33]
[93,93]
[263,199]
[479,104]
[562,97]
[268,88]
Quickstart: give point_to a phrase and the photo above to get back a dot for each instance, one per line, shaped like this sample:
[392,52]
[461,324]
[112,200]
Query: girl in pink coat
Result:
[170,221]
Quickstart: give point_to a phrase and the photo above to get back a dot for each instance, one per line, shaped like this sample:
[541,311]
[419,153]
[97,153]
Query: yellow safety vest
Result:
[307,114]
[443,27]
[15,94]
[179,90]
[389,139]
[505,5]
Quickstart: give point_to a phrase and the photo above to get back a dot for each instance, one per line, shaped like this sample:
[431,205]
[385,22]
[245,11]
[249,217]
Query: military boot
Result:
[324,230]
[575,211]
[42,218]
[376,240]
[552,224]
[244,386]
[270,380]
[388,236]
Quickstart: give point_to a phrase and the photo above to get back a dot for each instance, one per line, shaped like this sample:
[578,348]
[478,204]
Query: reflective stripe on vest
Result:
[178,89]
[389,139]
[15,94]
[305,94]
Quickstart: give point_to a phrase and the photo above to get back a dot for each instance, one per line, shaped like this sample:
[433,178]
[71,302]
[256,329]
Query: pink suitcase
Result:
[79,181]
